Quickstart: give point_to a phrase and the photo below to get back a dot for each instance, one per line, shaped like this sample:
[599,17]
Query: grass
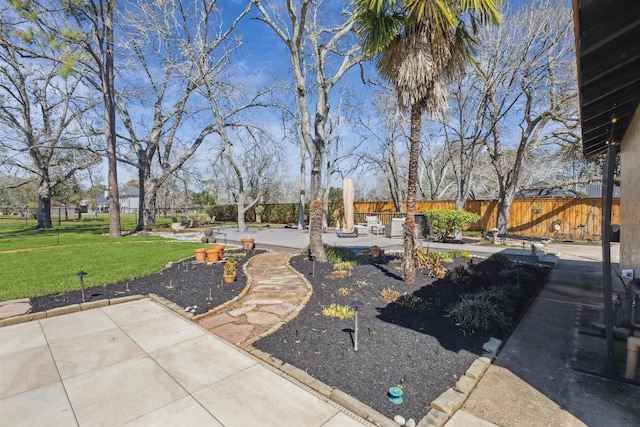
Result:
[33,263]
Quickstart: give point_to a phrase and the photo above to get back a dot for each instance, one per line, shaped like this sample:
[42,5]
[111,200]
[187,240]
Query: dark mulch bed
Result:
[414,346]
[185,283]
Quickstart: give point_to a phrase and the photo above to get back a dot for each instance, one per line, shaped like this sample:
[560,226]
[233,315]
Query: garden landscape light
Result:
[355,304]
[312,257]
[81,275]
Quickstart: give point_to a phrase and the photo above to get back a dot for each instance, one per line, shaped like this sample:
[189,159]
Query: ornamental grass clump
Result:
[487,310]
[341,270]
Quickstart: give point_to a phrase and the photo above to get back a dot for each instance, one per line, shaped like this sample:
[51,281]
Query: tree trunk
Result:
[505,200]
[149,207]
[44,205]
[303,177]
[242,226]
[142,219]
[315,230]
[316,218]
[108,82]
[412,186]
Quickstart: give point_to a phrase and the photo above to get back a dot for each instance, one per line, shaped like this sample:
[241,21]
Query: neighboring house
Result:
[129,200]
[547,193]
[595,190]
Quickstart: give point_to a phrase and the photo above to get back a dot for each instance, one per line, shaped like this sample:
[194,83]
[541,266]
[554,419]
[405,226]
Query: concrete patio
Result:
[138,363]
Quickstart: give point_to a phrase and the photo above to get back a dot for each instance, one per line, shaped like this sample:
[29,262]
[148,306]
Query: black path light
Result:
[312,257]
[355,304]
[81,275]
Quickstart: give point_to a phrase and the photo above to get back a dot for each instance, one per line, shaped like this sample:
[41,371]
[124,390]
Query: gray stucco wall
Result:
[630,197]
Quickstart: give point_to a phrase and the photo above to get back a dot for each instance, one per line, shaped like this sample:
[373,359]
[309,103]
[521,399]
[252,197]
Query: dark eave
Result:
[608,53]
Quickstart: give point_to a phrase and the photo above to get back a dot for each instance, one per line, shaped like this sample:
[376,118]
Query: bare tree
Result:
[41,115]
[382,133]
[88,25]
[250,160]
[320,56]
[182,53]
[527,67]
[466,131]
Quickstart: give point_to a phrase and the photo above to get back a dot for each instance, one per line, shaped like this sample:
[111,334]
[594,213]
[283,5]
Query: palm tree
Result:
[420,46]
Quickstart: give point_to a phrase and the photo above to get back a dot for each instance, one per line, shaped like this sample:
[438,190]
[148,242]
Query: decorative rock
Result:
[399,419]
[410,423]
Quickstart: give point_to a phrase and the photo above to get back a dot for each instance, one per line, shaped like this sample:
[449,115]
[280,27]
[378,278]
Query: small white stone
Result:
[195,307]
[410,423]
[399,419]
[188,308]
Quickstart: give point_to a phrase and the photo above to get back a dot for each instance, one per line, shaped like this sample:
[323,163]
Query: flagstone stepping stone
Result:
[263,301]
[13,308]
[279,309]
[242,310]
[266,288]
[217,320]
[235,334]
[262,318]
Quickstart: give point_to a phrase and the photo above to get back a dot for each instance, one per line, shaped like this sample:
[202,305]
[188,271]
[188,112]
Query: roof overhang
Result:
[607,34]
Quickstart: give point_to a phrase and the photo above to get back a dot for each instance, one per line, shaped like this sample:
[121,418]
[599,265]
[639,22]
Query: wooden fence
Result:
[557,218]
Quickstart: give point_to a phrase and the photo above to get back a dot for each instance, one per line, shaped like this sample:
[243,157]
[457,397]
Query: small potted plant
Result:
[230,272]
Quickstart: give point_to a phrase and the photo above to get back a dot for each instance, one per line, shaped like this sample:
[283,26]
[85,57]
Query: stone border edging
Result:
[23,318]
[445,405]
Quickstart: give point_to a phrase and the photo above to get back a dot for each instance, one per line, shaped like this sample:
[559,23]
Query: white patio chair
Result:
[374,225]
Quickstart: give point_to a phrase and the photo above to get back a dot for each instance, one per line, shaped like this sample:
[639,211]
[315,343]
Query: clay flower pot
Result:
[375,251]
[213,254]
[247,243]
[220,248]
[228,279]
[201,254]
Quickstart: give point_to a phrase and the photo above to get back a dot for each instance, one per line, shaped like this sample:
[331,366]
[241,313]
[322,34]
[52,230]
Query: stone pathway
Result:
[274,295]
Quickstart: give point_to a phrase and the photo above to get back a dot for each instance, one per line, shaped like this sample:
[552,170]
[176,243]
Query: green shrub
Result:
[444,222]
[210,210]
[503,260]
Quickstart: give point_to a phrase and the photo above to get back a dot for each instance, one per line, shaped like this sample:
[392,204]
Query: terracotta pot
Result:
[221,251]
[375,251]
[213,254]
[365,252]
[228,279]
[247,243]
[201,254]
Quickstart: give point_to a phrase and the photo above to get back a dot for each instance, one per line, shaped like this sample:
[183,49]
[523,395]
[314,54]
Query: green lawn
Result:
[43,262]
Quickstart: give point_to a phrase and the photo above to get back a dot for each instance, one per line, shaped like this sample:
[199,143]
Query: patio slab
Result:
[139,364]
